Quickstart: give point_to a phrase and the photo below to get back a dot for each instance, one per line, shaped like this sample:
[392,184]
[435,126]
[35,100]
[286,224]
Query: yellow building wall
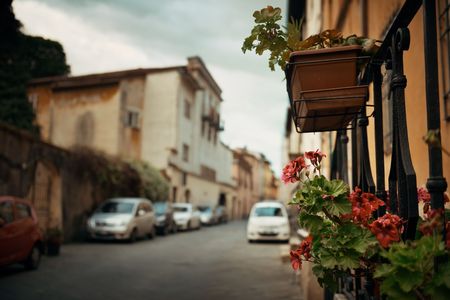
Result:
[379,15]
[130,139]
[83,116]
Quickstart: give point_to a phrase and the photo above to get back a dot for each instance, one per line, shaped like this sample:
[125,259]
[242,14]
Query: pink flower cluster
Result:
[291,172]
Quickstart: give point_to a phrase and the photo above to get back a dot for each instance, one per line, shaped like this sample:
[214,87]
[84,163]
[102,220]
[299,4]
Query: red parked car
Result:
[20,237]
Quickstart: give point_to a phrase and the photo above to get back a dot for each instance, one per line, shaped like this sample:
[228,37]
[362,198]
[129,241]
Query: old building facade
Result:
[169,117]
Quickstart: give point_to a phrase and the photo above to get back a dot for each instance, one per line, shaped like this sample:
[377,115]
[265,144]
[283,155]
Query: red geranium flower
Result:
[387,229]
[363,204]
[315,157]
[302,253]
[296,260]
[423,195]
[291,172]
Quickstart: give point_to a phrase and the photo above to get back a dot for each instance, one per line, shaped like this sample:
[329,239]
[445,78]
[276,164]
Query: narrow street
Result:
[212,263]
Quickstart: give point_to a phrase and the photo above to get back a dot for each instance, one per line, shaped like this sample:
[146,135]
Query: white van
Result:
[268,221]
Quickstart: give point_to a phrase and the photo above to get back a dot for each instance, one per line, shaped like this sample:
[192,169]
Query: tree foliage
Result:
[22,58]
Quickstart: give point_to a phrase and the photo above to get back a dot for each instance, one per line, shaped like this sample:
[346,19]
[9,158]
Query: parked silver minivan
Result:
[123,219]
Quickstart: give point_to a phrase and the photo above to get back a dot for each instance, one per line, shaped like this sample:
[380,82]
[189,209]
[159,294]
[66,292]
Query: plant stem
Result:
[332,218]
[419,294]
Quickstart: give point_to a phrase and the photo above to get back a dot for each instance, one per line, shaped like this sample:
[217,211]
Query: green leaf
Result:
[408,280]
[310,222]
[339,206]
[328,260]
[349,261]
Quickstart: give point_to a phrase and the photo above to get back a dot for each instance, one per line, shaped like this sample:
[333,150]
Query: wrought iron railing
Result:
[402,188]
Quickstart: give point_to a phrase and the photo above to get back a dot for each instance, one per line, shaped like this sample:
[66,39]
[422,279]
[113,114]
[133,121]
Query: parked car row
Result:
[133,218]
[212,216]
[21,240]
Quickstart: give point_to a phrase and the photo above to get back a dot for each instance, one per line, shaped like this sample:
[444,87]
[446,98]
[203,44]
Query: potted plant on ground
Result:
[53,239]
[345,236]
[321,71]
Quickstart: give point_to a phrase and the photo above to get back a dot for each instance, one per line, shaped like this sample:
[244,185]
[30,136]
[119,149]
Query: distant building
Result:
[243,175]
[169,117]
[255,177]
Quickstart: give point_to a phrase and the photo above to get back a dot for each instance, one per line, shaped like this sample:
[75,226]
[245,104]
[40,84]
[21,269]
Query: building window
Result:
[187,109]
[207,173]
[185,152]
[132,118]
[444,30]
[174,194]
[184,178]
[33,99]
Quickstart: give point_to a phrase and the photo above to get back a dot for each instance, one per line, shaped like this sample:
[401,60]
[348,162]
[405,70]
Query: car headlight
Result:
[123,223]
[91,222]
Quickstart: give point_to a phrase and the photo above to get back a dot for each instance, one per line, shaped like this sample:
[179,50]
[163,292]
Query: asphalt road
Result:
[211,263]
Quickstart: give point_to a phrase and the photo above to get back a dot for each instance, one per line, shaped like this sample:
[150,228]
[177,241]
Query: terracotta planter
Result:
[329,109]
[323,87]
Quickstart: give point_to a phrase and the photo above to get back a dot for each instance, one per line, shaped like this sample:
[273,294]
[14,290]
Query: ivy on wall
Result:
[119,178]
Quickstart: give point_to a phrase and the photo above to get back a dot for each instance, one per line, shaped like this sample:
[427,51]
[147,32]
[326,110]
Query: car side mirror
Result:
[141,212]
[2,222]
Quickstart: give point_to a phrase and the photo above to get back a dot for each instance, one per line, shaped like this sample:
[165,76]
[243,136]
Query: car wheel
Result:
[152,233]
[165,230]
[33,259]
[188,227]
[174,227]
[250,241]
[133,236]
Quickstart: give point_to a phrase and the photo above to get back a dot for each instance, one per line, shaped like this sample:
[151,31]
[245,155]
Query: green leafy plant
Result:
[345,236]
[281,41]
[409,271]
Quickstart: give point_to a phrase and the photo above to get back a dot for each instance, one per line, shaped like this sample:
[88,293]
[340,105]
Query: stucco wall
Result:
[87,116]
[159,118]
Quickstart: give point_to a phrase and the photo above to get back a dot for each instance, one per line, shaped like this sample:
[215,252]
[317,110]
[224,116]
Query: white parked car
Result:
[123,218]
[268,221]
[186,216]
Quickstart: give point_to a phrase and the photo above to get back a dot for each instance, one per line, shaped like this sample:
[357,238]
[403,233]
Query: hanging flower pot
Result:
[326,64]
[323,87]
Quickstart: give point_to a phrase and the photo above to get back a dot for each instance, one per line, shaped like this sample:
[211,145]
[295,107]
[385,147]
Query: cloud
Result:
[108,35]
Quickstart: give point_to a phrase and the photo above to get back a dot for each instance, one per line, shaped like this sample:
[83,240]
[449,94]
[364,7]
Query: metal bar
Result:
[436,183]
[401,20]
[363,12]
[355,164]
[365,181]
[342,15]
[406,185]
[379,138]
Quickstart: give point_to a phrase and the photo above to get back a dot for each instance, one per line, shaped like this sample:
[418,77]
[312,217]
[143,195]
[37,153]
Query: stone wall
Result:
[41,173]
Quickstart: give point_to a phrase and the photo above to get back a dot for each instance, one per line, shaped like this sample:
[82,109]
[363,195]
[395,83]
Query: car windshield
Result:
[180,209]
[268,211]
[117,208]
[204,209]
[160,208]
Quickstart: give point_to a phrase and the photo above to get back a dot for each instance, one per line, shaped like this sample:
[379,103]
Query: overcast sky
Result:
[107,35]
